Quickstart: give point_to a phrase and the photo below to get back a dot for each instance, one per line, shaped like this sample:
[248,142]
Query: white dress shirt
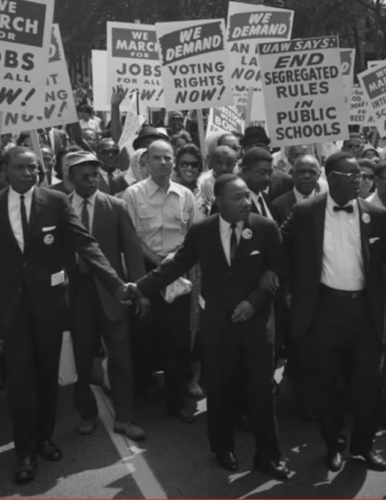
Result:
[255,199]
[15,215]
[226,232]
[342,265]
[77,204]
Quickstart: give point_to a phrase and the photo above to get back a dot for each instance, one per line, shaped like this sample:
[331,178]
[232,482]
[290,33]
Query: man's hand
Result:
[118,95]
[121,294]
[243,312]
[269,282]
[142,307]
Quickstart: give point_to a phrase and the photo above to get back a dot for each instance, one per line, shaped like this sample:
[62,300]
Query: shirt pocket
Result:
[146,220]
[182,220]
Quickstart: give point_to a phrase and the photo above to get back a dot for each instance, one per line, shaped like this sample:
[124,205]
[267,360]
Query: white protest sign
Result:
[373,64]
[133,62]
[256,114]
[59,107]
[303,87]
[225,119]
[132,124]
[101,96]
[249,25]
[347,59]
[195,70]
[360,113]
[25,34]
[373,82]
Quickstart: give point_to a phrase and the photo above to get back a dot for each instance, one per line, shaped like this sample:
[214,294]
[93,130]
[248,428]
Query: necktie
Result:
[24,220]
[262,206]
[347,208]
[110,178]
[233,243]
[85,218]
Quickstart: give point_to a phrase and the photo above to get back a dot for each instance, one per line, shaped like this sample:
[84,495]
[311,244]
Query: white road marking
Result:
[132,456]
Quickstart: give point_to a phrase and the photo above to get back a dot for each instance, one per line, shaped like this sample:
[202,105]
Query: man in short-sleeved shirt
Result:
[162,212]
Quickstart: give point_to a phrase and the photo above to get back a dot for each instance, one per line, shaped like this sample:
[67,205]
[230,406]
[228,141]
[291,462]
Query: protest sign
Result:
[25,34]
[133,62]
[373,64]
[303,85]
[249,25]
[256,115]
[132,124]
[373,82]
[347,59]
[360,113]
[195,69]
[101,95]
[59,106]
[225,119]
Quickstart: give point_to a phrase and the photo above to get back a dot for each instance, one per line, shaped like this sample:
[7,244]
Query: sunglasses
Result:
[369,177]
[352,176]
[186,164]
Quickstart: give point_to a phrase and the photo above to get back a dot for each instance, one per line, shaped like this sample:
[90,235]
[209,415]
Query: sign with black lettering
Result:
[25,36]
[133,62]
[225,119]
[59,106]
[373,82]
[303,91]
[249,25]
[195,69]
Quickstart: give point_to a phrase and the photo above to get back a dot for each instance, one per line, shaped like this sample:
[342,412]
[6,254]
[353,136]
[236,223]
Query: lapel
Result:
[364,228]
[36,207]
[98,213]
[4,219]
[245,245]
[318,228]
[218,247]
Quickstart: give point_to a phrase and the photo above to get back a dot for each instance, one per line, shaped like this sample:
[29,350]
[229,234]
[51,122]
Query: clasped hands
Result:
[129,292]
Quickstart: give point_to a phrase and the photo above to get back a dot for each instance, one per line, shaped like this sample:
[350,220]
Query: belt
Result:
[342,294]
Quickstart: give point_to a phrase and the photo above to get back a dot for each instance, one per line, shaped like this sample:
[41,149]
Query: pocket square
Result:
[49,228]
[255,252]
[373,240]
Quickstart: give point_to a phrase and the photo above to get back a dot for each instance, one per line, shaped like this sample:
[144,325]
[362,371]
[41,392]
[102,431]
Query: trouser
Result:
[91,322]
[241,363]
[32,354]
[344,364]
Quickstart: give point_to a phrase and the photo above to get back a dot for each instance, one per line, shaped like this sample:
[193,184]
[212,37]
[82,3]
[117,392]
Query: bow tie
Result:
[347,208]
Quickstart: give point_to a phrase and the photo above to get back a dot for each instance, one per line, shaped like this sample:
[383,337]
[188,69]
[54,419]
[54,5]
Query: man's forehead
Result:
[24,157]
[348,164]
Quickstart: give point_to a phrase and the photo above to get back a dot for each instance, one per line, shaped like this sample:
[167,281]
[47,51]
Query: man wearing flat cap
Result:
[38,225]
[96,312]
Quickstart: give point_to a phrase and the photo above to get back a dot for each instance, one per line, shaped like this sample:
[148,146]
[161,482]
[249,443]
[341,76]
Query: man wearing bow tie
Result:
[336,245]
[234,249]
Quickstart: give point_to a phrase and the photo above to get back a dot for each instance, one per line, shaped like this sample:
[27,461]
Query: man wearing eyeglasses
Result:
[378,198]
[354,145]
[108,154]
[336,245]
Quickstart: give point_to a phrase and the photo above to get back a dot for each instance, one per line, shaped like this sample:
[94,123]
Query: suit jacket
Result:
[282,206]
[53,225]
[223,286]
[60,140]
[303,235]
[105,188]
[280,183]
[115,234]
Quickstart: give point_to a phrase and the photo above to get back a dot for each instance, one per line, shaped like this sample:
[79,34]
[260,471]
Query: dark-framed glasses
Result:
[351,176]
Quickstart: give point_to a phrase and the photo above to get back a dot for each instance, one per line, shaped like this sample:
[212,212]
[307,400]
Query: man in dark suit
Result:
[55,138]
[107,152]
[96,311]
[234,249]
[37,225]
[336,245]
[305,175]
[256,171]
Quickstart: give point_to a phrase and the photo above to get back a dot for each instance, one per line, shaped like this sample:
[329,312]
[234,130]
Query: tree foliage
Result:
[359,23]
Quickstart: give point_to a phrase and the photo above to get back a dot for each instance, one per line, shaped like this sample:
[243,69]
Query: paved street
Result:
[174,462]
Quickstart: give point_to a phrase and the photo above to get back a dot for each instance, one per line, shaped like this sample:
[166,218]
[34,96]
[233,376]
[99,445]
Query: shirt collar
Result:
[299,196]
[331,204]
[152,187]
[225,226]
[78,200]
[27,195]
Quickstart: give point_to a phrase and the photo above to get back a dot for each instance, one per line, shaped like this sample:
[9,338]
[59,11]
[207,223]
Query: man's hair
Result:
[333,161]
[103,141]
[218,150]
[253,156]
[306,159]
[222,182]
[380,168]
[222,137]
[14,151]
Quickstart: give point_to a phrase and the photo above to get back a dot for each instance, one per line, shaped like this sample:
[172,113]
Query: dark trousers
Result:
[164,341]
[344,363]
[241,363]
[90,322]
[32,363]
